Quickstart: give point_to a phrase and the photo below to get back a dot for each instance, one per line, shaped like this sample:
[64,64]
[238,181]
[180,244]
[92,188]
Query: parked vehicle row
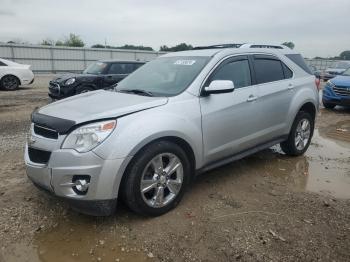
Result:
[12,75]
[181,114]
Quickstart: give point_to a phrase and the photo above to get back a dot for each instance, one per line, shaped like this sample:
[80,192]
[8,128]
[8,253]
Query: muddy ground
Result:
[266,207]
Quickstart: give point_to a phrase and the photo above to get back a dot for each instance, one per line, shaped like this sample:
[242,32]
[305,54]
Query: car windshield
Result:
[96,68]
[346,72]
[342,65]
[165,76]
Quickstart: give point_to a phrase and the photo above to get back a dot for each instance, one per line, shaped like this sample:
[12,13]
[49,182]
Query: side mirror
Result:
[219,87]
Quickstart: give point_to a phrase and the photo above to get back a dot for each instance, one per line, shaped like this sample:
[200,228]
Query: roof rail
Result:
[245,45]
[248,45]
[217,46]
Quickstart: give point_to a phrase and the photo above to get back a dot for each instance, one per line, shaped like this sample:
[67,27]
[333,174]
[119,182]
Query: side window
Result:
[268,70]
[118,68]
[136,66]
[237,71]
[287,72]
[2,64]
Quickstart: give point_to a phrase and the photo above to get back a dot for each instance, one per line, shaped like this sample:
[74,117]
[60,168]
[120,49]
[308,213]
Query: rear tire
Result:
[300,135]
[149,187]
[327,105]
[9,83]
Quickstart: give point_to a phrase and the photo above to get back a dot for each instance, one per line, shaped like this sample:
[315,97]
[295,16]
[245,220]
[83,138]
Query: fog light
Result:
[81,184]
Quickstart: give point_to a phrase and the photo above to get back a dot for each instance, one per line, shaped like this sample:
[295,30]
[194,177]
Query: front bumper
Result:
[330,97]
[56,91]
[56,177]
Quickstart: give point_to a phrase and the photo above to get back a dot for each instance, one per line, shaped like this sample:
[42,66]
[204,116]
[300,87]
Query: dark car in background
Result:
[99,75]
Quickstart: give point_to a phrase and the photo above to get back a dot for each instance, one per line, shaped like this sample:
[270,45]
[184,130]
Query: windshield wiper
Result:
[136,91]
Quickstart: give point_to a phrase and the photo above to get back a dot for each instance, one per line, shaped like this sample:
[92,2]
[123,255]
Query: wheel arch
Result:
[174,139]
[19,80]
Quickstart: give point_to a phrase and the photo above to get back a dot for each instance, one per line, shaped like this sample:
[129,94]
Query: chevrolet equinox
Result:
[181,114]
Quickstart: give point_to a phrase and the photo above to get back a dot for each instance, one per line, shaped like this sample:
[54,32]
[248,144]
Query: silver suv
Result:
[179,115]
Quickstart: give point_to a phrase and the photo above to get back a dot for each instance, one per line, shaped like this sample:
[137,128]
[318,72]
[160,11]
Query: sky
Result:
[317,27]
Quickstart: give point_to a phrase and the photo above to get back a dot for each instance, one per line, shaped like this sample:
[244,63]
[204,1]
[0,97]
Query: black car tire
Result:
[328,106]
[9,83]
[131,185]
[83,89]
[289,146]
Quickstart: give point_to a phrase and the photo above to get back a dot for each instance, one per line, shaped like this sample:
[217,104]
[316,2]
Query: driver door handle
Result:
[290,86]
[252,98]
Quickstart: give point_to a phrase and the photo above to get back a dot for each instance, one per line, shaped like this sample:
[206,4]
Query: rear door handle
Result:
[290,86]
[251,98]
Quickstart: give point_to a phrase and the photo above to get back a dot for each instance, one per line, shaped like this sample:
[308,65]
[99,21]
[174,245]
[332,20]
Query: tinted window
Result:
[2,64]
[96,68]
[119,68]
[299,60]
[136,66]
[287,72]
[237,71]
[268,70]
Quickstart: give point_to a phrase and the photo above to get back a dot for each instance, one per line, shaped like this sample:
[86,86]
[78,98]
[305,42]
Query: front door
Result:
[229,119]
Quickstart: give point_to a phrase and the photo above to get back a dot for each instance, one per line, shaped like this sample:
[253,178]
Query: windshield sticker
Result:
[185,62]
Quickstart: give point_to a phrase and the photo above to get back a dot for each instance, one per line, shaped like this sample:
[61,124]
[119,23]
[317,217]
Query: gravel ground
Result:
[267,207]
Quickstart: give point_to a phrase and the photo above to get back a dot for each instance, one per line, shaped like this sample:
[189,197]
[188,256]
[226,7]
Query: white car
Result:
[12,75]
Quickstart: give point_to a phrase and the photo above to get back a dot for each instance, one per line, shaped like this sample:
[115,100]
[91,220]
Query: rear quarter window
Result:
[268,70]
[299,60]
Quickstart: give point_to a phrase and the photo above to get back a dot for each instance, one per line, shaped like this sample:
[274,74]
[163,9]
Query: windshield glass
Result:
[96,68]
[347,72]
[166,76]
[342,65]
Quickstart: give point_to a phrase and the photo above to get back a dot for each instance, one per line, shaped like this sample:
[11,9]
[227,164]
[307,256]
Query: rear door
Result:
[229,119]
[275,91]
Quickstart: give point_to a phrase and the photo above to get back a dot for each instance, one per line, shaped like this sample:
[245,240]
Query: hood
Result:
[81,77]
[341,81]
[99,105]
[335,70]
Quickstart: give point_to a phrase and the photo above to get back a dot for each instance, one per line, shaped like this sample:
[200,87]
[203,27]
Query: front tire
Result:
[9,83]
[156,179]
[300,135]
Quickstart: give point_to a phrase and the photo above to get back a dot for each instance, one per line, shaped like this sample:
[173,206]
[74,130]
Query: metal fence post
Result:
[12,53]
[52,61]
[84,56]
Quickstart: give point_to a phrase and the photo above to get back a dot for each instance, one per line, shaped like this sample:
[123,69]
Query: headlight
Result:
[70,81]
[87,137]
[330,83]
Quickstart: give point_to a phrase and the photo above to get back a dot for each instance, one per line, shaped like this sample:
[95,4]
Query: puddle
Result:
[79,239]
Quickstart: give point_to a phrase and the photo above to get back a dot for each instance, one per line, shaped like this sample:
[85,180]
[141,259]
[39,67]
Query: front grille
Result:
[341,91]
[54,88]
[38,156]
[45,132]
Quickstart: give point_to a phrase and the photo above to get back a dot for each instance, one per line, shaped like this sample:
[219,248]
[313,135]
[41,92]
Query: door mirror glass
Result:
[219,87]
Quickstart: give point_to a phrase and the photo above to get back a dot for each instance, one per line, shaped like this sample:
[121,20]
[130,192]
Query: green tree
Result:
[98,46]
[179,47]
[345,55]
[59,43]
[291,45]
[73,40]
[48,41]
